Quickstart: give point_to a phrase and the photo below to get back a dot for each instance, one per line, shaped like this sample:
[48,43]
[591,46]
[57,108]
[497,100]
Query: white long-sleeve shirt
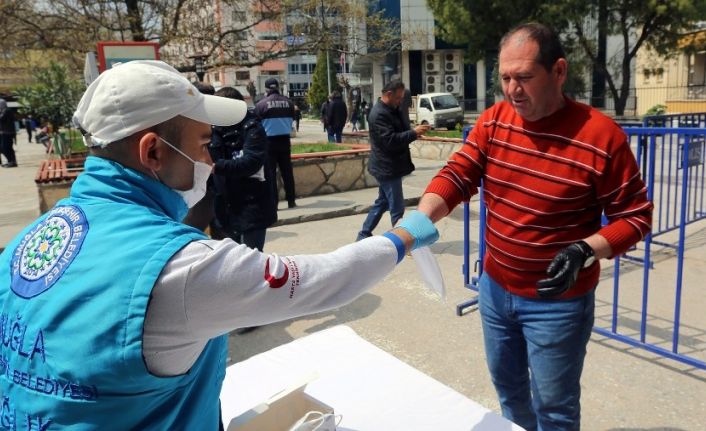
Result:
[212,287]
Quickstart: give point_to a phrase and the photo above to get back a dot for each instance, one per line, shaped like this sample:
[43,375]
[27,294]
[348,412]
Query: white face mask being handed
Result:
[201,173]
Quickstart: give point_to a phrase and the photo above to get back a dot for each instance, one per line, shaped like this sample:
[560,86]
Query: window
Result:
[294,68]
[243,56]
[697,68]
[242,75]
[444,102]
[298,86]
[424,103]
[239,17]
[659,75]
[268,36]
[238,36]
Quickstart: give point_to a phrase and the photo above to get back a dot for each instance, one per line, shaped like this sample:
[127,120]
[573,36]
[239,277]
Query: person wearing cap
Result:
[7,134]
[276,113]
[116,314]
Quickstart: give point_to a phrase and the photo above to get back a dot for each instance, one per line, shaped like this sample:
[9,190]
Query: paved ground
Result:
[624,388]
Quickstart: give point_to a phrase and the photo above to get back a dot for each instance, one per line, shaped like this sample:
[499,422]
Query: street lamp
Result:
[199,65]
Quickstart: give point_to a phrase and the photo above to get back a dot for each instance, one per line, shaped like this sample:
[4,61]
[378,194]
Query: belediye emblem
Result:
[47,250]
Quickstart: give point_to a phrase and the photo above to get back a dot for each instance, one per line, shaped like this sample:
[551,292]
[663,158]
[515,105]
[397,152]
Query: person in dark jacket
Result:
[201,215]
[355,117]
[7,134]
[336,117]
[297,115]
[276,112]
[364,112]
[29,127]
[404,108]
[322,111]
[390,159]
[244,189]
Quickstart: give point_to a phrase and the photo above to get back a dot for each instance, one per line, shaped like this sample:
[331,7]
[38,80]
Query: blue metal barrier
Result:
[696,120]
[673,160]
[468,281]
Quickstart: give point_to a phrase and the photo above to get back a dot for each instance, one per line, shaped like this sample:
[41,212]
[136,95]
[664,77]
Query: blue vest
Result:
[276,114]
[74,290]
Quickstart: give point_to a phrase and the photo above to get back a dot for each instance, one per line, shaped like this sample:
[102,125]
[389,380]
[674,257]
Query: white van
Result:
[437,110]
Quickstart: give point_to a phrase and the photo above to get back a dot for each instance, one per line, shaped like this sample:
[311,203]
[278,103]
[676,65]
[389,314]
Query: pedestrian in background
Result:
[336,117]
[297,116]
[404,108]
[276,112]
[8,133]
[244,187]
[390,159]
[201,214]
[29,127]
[322,113]
[550,167]
[205,88]
[364,112]
[354,117]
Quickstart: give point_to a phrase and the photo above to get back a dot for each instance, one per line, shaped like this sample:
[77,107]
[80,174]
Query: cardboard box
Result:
[282,411]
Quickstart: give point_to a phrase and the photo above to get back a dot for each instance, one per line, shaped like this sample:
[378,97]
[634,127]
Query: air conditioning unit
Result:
[432,79]
[431,88]
[452,84]
[452,62]
[431,62]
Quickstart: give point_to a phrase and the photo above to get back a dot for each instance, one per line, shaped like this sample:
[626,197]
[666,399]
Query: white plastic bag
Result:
[429,270]
[317,421]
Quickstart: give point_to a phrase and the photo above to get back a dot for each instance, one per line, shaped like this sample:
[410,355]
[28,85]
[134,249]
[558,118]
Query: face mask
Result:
[201,173]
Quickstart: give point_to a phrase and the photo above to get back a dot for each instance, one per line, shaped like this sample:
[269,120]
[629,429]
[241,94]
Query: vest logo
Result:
[47,250]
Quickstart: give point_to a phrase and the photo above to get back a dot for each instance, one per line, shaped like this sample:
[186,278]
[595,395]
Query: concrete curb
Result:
[343,212]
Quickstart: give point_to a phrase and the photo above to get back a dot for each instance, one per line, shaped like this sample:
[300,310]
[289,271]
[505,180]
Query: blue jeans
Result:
[535,350]
[335,134]
[389,198]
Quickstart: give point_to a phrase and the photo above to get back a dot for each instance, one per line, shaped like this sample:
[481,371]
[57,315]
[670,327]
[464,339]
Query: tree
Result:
[54,96]
[318,92]
[219,29]
[658,24]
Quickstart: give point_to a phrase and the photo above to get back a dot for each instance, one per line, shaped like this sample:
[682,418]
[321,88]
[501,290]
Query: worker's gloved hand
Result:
[562,272]
[420,227]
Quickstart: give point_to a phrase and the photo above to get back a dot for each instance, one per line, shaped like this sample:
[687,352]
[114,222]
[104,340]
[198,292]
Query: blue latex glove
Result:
[420,227]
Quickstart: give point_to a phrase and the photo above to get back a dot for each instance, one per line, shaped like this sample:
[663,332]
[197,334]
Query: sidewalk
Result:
[20,201]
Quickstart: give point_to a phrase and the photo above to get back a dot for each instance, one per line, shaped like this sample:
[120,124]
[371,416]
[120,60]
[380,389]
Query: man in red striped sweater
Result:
[551,167]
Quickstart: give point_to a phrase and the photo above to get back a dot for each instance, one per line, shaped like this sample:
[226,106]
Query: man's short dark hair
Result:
[204,88]
[393,86]
[230,93]
[550,49]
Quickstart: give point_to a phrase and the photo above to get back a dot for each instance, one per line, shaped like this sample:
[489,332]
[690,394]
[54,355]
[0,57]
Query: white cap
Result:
[137,95]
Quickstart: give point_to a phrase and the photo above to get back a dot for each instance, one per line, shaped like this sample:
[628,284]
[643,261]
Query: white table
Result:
[372,389]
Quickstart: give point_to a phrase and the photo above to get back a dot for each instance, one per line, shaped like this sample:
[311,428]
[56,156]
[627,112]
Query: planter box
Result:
[54,179]
[314,174]
[325,173]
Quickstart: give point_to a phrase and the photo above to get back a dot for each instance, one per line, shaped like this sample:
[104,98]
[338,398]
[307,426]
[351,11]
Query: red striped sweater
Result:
[546,184]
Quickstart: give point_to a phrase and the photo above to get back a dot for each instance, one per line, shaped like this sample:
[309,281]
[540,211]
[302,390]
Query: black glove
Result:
[564,269]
